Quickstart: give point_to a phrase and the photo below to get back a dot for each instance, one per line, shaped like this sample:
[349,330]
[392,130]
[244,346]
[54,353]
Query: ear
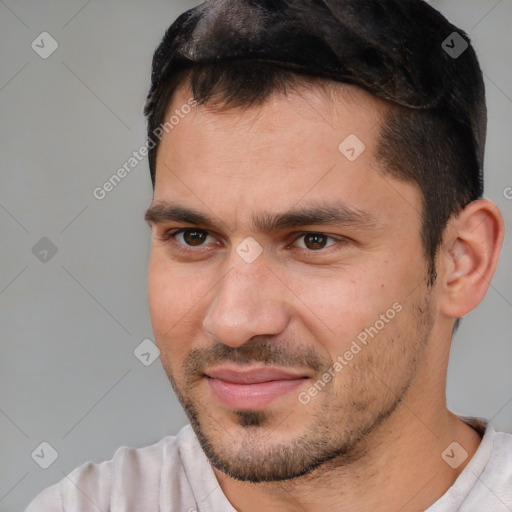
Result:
[468,257]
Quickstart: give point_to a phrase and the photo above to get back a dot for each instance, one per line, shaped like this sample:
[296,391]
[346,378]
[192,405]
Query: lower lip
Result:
[252,396]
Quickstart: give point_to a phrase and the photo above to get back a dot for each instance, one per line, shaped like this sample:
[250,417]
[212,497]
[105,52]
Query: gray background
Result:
[68,375]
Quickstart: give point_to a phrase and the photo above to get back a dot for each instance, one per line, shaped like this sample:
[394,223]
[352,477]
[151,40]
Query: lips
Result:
[252,388]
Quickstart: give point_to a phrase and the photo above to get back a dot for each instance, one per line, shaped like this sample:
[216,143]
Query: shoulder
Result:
[132,476]
[493,487]
[486,482]
[499,468]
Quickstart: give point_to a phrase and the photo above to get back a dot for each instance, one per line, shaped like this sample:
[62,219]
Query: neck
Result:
[401,468]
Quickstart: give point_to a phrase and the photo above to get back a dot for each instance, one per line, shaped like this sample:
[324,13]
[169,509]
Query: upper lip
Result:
[252,374]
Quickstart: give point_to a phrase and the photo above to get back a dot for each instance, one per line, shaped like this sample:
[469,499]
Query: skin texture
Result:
[300,305]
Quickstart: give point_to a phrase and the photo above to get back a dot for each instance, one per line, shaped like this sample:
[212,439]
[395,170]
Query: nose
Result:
[250,300]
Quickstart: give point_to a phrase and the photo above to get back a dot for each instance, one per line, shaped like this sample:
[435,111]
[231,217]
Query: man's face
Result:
[287,348]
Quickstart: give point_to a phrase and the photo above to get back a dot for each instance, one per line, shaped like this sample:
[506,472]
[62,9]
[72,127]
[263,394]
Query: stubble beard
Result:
[337,433]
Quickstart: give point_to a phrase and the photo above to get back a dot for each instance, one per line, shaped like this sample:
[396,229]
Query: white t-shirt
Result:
[174,475]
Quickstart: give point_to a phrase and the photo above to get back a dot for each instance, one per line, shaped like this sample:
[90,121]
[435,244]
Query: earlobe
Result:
[469,256]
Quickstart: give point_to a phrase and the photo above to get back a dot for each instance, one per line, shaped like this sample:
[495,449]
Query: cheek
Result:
[160,295]
[338,309]
[175,299]
[340,305]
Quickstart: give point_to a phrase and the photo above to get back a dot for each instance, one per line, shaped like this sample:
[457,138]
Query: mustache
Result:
[266,352]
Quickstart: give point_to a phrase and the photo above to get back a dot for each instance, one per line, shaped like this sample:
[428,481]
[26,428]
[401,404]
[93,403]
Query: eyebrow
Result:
[337,213]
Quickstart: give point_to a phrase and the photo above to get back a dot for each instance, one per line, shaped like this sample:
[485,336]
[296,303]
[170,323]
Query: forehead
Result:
[308,145]
[305,119]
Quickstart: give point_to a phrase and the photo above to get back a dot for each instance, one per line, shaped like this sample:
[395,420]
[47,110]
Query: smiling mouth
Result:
[253,387]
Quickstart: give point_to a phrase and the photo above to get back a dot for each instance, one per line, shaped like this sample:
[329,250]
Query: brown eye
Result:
[194,237]
[315,241]
[311,241]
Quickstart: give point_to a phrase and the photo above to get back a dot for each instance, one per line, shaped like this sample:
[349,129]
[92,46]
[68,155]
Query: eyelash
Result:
[169,235]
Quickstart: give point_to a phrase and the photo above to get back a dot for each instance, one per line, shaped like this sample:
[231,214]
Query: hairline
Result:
[332,90]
